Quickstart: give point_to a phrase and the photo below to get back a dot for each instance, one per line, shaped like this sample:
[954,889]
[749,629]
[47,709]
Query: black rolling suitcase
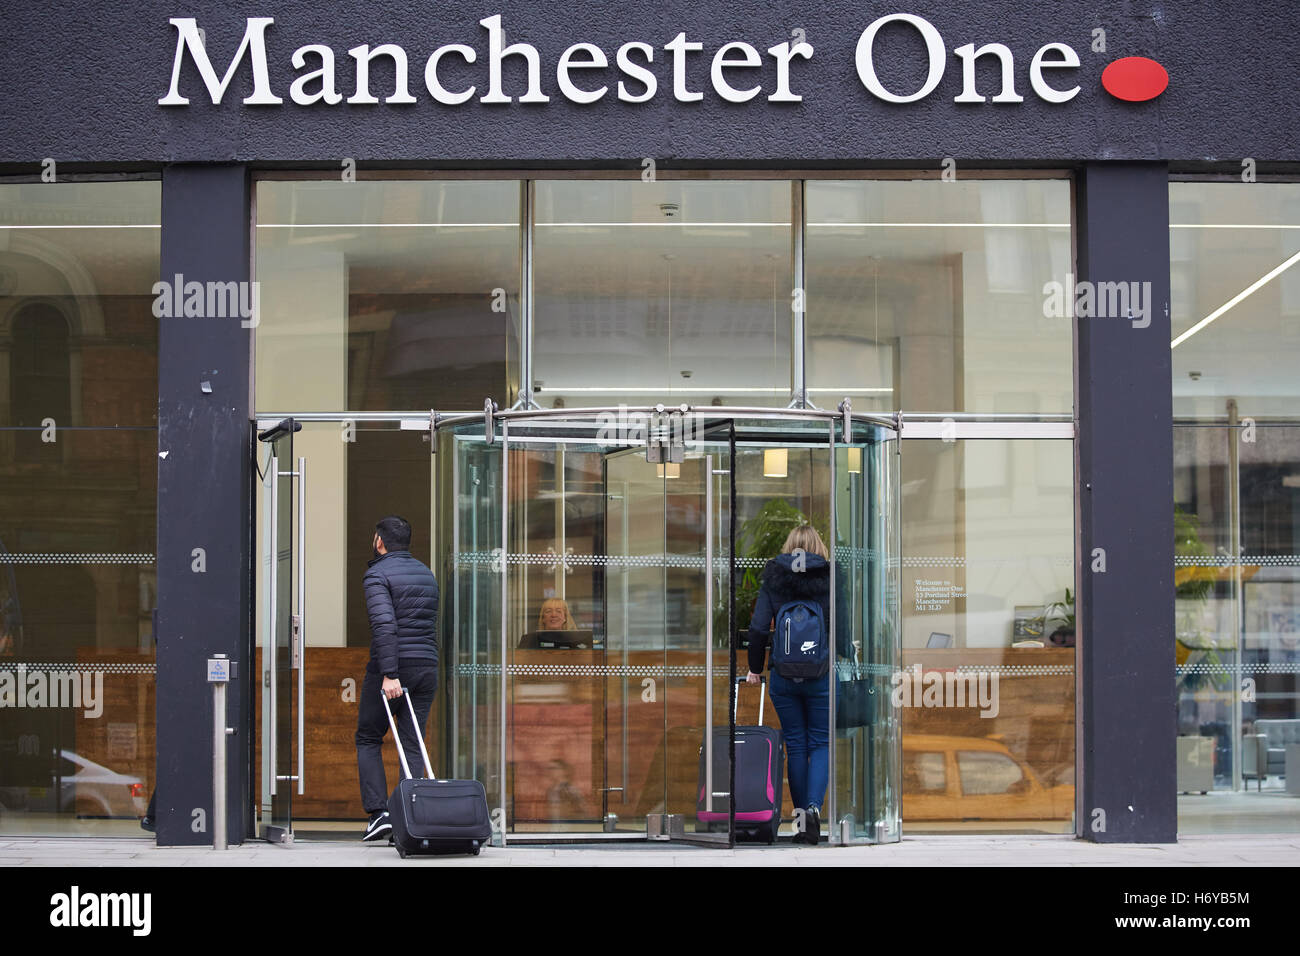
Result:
[760,777]
[431,816]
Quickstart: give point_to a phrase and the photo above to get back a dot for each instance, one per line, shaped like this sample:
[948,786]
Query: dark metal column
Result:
[1125,656]
[203,503]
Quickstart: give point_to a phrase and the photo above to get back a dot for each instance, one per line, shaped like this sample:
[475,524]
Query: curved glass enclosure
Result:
[600,569]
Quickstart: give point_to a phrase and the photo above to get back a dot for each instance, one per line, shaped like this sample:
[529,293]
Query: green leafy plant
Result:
[1062,611]
[1190,596]
[761,537]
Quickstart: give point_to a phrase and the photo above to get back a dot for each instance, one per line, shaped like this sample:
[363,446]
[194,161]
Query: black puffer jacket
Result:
[402,599]
[781,584]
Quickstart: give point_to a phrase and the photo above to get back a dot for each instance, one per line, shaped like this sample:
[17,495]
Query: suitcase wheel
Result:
[401,851]
[474,847]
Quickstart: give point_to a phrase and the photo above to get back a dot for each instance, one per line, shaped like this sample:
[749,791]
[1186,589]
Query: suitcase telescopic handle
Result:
[401,751]
[762,697]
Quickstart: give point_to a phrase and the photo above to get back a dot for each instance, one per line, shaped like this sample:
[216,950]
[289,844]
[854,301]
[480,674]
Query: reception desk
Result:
[589,733]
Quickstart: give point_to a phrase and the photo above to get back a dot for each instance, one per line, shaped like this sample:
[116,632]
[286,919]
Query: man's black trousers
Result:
[420,679]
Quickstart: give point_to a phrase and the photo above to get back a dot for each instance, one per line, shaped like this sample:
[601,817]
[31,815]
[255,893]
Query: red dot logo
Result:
[1135,78]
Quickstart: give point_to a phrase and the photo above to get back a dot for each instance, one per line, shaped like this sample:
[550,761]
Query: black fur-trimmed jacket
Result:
[782,584]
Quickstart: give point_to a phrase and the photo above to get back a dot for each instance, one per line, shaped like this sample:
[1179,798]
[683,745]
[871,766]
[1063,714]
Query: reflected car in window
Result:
[83,787]
[975,778]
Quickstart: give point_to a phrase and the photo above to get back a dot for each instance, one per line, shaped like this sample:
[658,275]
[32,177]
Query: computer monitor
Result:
[939,640]
[547,639]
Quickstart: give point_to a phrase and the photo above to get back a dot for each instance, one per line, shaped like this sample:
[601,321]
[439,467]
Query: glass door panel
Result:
[696,652]
[345,476]
[555,623]
[867,727]
[468,563]
[278,634]
[635,742]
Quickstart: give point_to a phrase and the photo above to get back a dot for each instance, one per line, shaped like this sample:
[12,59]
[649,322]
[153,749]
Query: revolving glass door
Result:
[590,631]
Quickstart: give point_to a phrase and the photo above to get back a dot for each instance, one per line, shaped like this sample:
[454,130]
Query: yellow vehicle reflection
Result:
[974,778]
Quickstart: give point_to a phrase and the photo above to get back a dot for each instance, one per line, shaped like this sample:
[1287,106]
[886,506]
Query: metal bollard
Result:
[219,669]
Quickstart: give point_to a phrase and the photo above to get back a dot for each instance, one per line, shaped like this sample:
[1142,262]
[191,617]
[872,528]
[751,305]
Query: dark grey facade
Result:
[82,84]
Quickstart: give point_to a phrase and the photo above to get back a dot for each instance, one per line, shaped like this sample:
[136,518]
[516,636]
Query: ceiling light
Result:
[775,462]
[1249,290]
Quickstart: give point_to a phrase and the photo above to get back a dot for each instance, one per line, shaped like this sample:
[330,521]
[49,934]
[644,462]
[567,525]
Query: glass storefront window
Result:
[78,468]
[987,695]
[386,295]
[665,291]
[929,296]
[1234,249]
[1234,252]
[920,295]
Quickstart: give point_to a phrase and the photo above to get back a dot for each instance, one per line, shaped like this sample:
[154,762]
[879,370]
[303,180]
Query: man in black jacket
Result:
[402,600]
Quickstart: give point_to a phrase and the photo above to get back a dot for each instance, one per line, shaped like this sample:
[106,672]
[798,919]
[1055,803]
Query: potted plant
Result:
[1193,587]
[761,537]
[1063,612]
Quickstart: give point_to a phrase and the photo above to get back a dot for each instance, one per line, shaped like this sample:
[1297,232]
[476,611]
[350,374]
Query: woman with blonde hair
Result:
[801,572]
[555,616]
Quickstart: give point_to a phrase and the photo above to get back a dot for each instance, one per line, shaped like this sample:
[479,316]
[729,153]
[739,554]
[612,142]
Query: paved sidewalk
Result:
[955,850]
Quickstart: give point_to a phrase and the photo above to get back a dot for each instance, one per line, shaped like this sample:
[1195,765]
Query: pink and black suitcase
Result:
[760,776]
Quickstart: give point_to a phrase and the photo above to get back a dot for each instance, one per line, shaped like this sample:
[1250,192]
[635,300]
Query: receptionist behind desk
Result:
[556,628]
[555,616]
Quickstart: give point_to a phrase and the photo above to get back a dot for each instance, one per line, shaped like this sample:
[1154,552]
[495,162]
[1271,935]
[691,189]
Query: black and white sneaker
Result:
[379,828]
[813,826]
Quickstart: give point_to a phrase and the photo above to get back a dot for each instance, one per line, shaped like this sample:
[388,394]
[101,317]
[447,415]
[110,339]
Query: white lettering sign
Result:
[584,73]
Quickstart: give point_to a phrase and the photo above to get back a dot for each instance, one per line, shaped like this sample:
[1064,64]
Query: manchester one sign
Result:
[583,71]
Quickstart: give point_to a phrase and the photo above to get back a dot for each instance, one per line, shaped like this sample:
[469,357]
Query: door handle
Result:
[300,622]
[272,649]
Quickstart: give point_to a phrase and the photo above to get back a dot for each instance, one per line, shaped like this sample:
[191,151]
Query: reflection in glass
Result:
[1235,298]
[1237,655]
[658,292]
[386,295]
[78,462]
[1234,253]
[929,295]
[988,544]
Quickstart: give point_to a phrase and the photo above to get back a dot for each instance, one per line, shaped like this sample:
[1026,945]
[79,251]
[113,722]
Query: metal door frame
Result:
[296,639]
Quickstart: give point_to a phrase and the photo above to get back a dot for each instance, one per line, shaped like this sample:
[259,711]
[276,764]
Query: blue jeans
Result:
[804,709]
